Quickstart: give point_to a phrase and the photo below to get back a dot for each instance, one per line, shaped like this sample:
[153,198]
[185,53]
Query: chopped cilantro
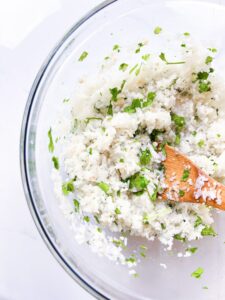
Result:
[76,205]
[136,103]
[138,70]
[153,197]
[55,161]
[90,151]
[177,139]
[117,211]
[183,45]
[104,187]
[197,273]
[139,47]
[145,57]
[204,87]
[163,58]
[201,143]
[192,249]
[110,109]
[133,69]
[198,222]
[181,193]
[118,243]
[145,157]
[179,238]
[86,219]
[186,34]
[208,231]
[87,120]
[208,60]
[83,56]
[67,187]
[138,181]
[185,175]
[205,287]
[178,120]
[163,226]
[131,259]
[202,75]
[66,100]
[150,98]
[114,93]
[116,48]
[123,67]
[145,219]
[50,144]
[99,229]
[213,50]
[121,160]
[157,30]
[97,219]
[194,133]
[106,58]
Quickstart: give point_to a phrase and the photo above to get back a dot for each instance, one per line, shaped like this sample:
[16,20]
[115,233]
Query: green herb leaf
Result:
[136,103]
[90,151]
[123,67]
[208,231]
[157,30]
[66,100]
[150,98]
[153,197]
[104,187]
[133,69]
[179,238]
[138,181]
[202,75]
[155,133]
[50,144]
[192,249]
[86,219]
[110,109]
[114,92]
[162,56]
[145,157]
[76,205]
[183,45]
[116,48]
[177,139]
[185,175]
[198,273]
[118,243]
[145,219]
[55,161]
[204,87]
[163,226]
[201,143]
[131,259]
[117,211]
[198,222]
[145,57]
[213,50]
[87,120]
[140,45]
[208,60]
[181,193]
[68,187]
[186,34]
[83,56]
[178,120]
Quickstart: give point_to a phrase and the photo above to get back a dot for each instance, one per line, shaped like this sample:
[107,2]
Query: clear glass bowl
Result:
[116,22]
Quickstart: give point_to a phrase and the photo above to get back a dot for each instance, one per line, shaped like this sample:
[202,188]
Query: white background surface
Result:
[29,29]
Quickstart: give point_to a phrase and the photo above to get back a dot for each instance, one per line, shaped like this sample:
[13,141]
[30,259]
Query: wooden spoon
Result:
[185,182]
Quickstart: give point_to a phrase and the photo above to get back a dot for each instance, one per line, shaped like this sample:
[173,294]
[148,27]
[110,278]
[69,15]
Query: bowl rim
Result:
[23,146]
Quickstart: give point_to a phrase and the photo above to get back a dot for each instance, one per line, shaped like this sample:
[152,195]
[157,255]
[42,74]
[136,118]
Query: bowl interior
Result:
[121,22]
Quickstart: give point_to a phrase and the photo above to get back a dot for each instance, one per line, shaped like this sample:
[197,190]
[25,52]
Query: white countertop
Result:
[29,29]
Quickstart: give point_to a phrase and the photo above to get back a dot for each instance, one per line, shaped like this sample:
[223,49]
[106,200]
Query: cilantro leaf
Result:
[208,231]
[86,219]
[136,103]
[150,98]
[68,187]
[76,205]
[162,56]
[192,249]
[179,238]
[138,182]
[204,87]
[83,56]
[145,157]
[198,222]
[50,144]
[197,273]
[55,161]
[104,187]
[116,48]
[145,57]
[123,67]
[157,30]
[181,193]
[208,60]
[178,120]
[185,175]
[117,211]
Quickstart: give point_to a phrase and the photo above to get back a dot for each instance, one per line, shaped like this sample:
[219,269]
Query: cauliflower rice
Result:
[109,171]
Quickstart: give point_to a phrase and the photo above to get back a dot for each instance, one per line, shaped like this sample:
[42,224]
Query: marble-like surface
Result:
[28,31]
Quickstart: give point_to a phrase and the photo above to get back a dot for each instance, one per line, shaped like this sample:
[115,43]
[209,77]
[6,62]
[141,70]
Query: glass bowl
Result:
[116,22]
